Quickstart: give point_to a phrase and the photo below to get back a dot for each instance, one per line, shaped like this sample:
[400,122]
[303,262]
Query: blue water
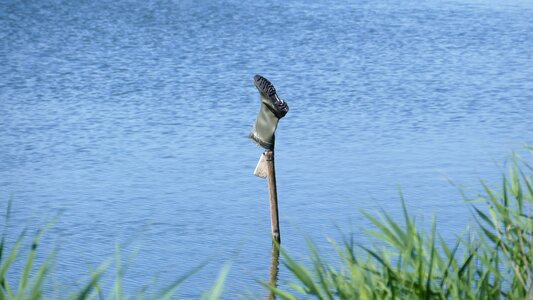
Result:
[130,118]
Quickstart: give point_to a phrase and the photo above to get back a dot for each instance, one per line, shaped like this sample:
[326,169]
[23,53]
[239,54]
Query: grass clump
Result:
[30,284]
[493,261]
[32,277]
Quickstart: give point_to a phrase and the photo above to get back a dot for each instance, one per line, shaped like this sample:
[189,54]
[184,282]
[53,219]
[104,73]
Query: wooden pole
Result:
[272,190]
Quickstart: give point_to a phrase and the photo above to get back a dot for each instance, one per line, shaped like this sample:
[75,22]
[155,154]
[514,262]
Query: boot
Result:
[272,109]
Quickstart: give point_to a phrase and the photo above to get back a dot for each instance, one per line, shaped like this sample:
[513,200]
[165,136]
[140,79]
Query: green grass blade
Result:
[431,260]
[169,291]
[216,291]
[86,291]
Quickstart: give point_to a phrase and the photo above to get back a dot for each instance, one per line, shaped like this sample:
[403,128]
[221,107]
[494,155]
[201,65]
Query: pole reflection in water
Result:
[274,269]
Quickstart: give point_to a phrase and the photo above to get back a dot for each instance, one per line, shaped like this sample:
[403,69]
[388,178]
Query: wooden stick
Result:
[271,177]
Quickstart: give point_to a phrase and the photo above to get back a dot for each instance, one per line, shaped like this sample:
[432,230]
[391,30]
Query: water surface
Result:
[131,119]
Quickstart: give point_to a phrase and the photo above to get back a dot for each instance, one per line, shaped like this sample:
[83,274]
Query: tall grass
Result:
[31,278]
[493,261]
[31,281]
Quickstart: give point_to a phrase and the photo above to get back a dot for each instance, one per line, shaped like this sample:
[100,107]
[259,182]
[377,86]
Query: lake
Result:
[130,119]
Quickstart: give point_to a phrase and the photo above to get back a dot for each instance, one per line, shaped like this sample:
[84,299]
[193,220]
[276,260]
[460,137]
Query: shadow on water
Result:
[274,269]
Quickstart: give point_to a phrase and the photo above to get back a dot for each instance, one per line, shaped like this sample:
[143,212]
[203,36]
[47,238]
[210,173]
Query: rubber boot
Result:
[272,109]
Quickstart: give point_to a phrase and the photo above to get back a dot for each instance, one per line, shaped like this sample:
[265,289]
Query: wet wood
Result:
[274,269]
[272,190]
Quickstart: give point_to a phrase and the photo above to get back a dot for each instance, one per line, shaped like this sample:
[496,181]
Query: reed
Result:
[491,261]
[32,277]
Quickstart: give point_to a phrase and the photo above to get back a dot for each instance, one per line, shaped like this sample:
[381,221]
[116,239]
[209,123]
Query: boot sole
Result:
[273,96]
[267,86]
